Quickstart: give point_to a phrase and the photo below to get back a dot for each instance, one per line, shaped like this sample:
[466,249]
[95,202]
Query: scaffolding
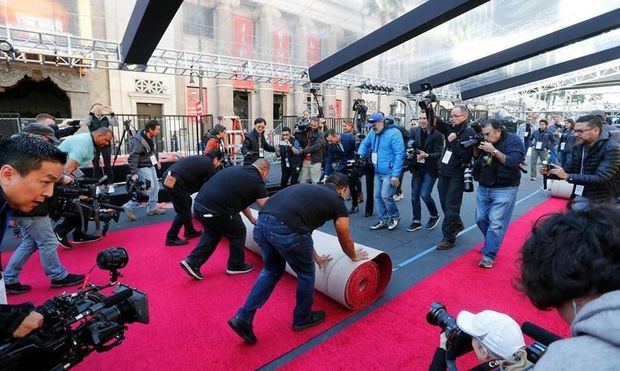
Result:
[48,48]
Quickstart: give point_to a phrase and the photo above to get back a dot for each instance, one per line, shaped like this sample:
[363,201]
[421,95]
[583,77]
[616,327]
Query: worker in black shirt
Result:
[182,180]
[217,206]
[284,235]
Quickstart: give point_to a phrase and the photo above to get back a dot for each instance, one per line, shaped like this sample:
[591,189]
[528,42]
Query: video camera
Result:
[80,198]
[411,153]
[136,189]
[355,167]
[425,101]
[459,342]
[76,324]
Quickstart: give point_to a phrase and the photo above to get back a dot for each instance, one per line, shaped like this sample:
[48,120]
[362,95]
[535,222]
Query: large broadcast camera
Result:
[459,342]
[76,324]
[80,198]
[354,167]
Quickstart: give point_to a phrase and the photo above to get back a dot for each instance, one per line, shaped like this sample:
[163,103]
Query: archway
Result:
[30,97]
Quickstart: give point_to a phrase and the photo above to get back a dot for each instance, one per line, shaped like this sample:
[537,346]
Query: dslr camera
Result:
[425,101]
[475,139]
[76,324]
[136,189]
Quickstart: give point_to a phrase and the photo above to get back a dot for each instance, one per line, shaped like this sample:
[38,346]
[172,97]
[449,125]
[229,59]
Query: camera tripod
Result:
[126,131]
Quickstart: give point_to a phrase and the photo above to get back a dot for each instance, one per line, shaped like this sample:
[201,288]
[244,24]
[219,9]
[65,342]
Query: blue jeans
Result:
[279,245]
[384,201]
[553,155]
[37,234]
[565,157]
[494,208]
[149,173]
[422,183]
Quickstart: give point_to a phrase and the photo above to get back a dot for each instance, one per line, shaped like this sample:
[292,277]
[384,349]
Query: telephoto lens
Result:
[468,180]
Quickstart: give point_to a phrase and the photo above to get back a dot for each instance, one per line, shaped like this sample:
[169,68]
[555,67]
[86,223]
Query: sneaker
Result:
[158,211]
[192,234]
[445,245]
[486,262]
[111,188]
[414,227]
[433,222]
[243,329]
[63,241]
[397,197]
[245,268]
[393,223]
[191,269]
[378,225]
[316,317]
[176,242]
[354,209]
[130,214]
[70,280]
[17,288]
[86,238]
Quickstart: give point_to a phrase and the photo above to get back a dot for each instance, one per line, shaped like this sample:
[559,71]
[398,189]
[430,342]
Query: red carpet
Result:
[397,336]
[188,328]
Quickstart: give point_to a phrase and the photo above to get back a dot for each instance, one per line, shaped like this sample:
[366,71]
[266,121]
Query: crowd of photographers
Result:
[453,154]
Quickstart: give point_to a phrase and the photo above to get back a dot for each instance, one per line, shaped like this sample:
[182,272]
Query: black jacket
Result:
[545,137]
[461,156]
[312,143]
[498,175]
[568,138]
[192,172]
[140,152]
[431,143]
[95,123]
[601,169]
[252,144]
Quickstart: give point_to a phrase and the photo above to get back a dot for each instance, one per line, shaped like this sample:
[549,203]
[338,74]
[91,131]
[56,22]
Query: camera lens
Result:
[112,259]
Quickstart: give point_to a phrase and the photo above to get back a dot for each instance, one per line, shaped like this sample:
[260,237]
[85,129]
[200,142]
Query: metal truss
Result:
[559,82]
[46,48]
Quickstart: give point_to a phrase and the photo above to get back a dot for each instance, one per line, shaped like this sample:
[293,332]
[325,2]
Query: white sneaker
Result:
[111,188]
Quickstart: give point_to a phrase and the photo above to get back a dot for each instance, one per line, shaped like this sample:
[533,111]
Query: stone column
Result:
[224,89]
[329,99]
[265,103]
[223,34]
[299,101]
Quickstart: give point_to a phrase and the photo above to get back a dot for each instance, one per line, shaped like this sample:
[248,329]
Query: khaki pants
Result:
[310,170]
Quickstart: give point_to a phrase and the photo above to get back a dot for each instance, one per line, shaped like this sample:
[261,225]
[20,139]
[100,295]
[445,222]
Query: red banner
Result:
[281,53]
[243,45]
[338,108]
[193,106]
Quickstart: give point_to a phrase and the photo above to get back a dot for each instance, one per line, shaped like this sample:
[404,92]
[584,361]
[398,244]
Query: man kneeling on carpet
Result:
[496,339]
[284,235]
[571,263]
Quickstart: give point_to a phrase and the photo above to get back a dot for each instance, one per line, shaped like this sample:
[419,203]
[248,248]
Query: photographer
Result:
[454,160]
[542,141]
[255,144]
[595,166]
[340,152]
[95,120]
[284,234]
[312,143]
[423,153]
[571,263]
[386,150]
[498,175]
[217,207]
[360,109]
[184,178]
[29,167]
[143,164]
[80,149]
[290,163]
[37,234]
[59,131]
[496,339]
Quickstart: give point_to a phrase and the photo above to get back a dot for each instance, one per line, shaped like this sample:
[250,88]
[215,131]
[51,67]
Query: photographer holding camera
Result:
[594,168]
[255,144]
[37,234]
[29,167]
[143,164]
[423,153]
[571,263]
[341,158]
[360,109]
[498,175]
[312,142]
[495,338]
[184,178]
[290,162]
[80,149]
[454,161]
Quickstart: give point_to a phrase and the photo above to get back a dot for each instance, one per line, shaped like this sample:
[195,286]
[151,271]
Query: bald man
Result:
[217,206]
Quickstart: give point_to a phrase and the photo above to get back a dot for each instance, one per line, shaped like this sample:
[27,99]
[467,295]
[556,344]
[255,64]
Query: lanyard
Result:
[583,154]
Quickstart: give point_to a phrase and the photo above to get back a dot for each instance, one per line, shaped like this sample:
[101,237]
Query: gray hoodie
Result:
[595,341]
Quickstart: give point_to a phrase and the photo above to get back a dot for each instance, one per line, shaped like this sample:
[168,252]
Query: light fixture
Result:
[6,47]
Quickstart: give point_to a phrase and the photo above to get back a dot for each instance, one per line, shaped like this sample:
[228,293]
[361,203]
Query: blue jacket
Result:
[337,158]
[390,150]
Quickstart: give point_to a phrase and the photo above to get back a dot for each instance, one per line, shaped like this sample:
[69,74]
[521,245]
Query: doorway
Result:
[278,109]
[29,98]
[241,107]
[150,109]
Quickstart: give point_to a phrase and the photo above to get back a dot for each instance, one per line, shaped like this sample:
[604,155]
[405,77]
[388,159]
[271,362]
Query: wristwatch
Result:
[494,152]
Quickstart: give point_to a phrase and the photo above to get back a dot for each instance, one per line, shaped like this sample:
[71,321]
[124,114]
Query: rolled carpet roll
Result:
[355,285]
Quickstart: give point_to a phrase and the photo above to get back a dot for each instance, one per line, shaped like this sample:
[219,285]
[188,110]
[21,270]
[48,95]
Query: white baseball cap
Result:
[496,331]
